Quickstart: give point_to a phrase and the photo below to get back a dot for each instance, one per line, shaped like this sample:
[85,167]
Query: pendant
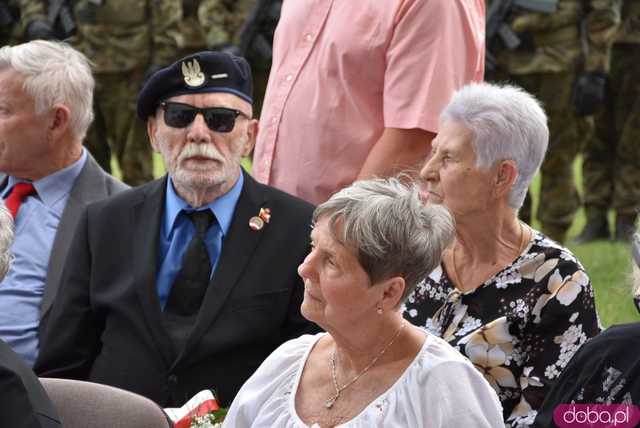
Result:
[329,402]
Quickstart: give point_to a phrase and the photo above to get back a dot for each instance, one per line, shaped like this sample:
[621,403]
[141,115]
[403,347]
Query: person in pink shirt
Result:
[356,88]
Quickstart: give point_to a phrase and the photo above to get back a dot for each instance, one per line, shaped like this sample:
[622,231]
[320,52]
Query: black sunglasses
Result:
[218,119]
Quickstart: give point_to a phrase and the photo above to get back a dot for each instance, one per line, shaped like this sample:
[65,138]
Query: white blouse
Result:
[440,388]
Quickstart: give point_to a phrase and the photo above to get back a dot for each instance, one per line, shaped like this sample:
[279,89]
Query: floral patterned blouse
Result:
[520,328]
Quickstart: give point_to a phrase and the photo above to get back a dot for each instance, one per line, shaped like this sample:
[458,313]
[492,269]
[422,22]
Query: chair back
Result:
[93,405]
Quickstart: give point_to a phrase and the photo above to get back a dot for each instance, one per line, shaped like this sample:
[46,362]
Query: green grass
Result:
[607,263]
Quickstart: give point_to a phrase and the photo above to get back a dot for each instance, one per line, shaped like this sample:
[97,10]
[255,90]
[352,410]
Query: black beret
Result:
[202,72]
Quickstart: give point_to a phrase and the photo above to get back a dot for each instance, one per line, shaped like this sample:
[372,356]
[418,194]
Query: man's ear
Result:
[506,174]
[60,121]
[252,133]
[152,127]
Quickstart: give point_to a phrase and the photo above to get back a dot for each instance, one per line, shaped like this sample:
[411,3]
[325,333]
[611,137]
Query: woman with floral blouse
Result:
[516,303]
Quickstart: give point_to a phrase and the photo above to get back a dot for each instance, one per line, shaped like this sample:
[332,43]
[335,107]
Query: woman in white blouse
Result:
[371,244]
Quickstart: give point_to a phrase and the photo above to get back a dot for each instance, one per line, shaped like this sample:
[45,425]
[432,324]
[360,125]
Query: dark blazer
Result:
[23,401]
[92,184]
[106,325]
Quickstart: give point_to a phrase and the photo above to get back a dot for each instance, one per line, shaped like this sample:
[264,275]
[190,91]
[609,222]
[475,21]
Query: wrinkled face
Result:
[451,175]
[24,140]
[195,156]
[337,289]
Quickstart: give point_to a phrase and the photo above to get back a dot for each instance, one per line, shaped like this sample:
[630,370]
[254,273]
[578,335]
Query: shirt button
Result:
[289,77]
[265,164]
[308,37]
[274,119]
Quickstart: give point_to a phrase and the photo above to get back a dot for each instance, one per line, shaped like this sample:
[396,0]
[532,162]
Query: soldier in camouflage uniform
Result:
[546,64]
[23,20]
[124,39]
[216,24]
[209,24]
[611,168]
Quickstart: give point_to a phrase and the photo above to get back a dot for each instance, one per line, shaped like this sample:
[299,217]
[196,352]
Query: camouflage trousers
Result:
[559,199]
[611,168]
[117,131]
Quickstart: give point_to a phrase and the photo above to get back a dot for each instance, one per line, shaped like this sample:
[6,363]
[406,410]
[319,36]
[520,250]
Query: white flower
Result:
[565,290]
[526,380]
[488,349]
[469,324]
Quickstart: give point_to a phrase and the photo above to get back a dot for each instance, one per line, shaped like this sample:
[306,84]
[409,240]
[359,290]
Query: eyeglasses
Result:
[218,119]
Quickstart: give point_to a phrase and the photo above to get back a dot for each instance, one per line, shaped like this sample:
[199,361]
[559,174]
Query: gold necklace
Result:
[331,400]
[520,250]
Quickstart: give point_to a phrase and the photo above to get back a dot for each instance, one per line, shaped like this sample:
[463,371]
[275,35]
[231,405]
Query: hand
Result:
[589,92]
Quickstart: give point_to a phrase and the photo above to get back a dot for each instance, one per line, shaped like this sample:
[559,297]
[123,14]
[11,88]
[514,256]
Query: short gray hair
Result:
[389,229]
[6,239]
[54,73]
[506,122]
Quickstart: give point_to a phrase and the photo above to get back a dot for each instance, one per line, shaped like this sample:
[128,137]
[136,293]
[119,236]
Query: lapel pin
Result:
[256,223]
[265,214]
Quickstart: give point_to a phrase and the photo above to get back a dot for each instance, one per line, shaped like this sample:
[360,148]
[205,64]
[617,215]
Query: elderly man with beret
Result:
[188,282]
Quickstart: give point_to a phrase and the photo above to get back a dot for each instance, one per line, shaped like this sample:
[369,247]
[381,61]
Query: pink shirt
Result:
[343,70]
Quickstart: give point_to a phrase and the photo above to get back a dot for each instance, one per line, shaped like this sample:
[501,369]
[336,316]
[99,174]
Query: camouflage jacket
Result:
[554,40]
[629,31]
[126,35]
[208,24]
[25,11]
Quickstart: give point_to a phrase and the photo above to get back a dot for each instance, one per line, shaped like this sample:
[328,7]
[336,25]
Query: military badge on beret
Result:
[193,77]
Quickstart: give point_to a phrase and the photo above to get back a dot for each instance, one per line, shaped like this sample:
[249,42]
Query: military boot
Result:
[595,229]
[625,226]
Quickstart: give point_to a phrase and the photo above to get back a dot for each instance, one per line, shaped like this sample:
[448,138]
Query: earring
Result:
[379,310]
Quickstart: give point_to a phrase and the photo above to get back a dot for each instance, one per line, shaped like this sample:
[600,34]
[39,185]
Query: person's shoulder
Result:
[130,195]
[439,360]
[296,348]
[289,210]
[617,338]
[548,256]
[114,185]
[441,367]
[94,183]
[280,197]
[437,351]
[283,363]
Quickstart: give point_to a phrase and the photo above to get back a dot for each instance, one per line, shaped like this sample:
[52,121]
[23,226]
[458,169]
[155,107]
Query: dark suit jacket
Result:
[23,401]
[92,184]
[106,325]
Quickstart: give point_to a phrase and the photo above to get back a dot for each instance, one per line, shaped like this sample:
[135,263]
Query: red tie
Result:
[18,194]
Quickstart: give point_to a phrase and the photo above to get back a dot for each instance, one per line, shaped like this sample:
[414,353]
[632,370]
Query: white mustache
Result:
[199,150]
